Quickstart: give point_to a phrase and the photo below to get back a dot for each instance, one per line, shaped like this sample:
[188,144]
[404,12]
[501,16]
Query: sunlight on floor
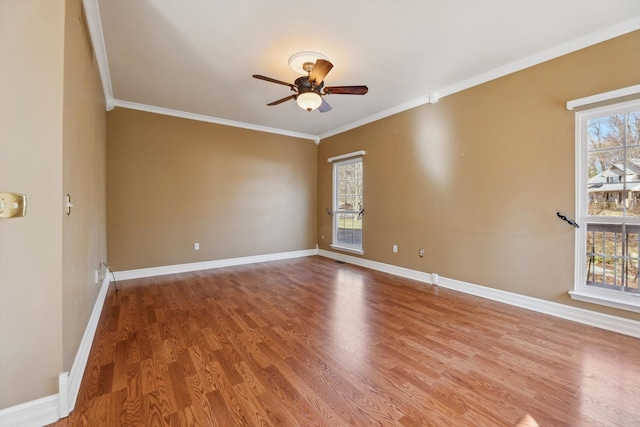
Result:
[350,329]
[605,381]
[527,421]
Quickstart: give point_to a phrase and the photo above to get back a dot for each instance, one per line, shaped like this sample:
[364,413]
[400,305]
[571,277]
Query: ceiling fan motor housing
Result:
[304,85]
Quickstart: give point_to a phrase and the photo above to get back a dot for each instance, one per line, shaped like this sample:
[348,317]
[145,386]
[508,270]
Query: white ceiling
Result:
[198,56]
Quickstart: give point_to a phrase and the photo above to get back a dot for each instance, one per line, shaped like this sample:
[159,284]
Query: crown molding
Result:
[209,119]
[94,22]
[95,28]
[546,55]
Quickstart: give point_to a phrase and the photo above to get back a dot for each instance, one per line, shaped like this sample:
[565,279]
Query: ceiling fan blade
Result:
[319,71]
[324,107]
[346,90]
[280,101]
[269,79]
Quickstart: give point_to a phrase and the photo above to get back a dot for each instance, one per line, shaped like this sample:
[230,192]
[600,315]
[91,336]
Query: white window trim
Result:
[607,298]
[606,96]
[343,159]
[360,153]
[347,249]
[582,292]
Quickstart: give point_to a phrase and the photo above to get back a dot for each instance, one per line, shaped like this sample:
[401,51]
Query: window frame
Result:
[338,161]
[582,291]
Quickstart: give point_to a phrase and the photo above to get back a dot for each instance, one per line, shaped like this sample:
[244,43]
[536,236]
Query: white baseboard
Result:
[206,265]
[82,356]
[617,324]
[63,395]
[49,409]
[35,413]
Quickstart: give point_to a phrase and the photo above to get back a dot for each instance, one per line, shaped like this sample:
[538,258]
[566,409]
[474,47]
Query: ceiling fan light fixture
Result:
[309,101]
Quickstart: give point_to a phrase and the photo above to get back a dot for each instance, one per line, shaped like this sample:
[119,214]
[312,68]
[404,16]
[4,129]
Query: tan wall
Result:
[84,178]
[476,179]
[31,97]
[172,182]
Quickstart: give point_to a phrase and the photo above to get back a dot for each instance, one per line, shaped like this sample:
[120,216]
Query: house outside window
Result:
[608,205]
[348,202]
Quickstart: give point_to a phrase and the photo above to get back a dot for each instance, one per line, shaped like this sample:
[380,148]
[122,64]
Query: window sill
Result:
[347,249]
[629,303]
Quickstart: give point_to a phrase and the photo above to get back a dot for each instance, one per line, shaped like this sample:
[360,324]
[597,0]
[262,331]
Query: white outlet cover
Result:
[196,246]
[395,248]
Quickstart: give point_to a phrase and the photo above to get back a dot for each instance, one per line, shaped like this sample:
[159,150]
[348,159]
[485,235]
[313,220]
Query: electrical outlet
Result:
[196,246]
[395,249]
[322,237]
[421,252]
[101,272]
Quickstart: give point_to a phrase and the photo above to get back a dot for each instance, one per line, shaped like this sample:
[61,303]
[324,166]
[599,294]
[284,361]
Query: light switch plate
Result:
[12,205]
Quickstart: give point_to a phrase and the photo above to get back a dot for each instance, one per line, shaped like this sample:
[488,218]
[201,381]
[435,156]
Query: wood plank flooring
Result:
[313,342]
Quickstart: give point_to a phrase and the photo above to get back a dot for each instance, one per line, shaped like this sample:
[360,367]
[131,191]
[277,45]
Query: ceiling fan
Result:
[310,89]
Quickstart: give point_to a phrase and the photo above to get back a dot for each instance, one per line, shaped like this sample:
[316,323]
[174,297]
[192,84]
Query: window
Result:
[348,204]
[608,205]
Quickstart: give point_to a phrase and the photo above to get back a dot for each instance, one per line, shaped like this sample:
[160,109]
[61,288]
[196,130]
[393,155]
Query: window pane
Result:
[606,185]
[632,276]
[357,203]
[633,128]
[348,202]
[349,230]
[632,266]
[612,256]
[614,165]
[606,132]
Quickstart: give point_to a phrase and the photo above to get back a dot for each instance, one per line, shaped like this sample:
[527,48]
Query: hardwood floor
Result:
[313,342]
